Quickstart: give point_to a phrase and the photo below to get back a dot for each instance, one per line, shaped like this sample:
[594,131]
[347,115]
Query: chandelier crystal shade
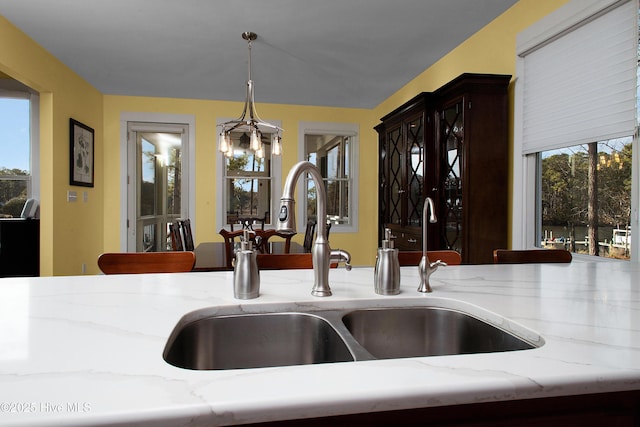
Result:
[249,122]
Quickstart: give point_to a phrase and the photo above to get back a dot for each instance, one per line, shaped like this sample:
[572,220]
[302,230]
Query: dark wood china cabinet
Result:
[450,145]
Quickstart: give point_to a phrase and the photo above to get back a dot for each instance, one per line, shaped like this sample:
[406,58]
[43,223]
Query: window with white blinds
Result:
[579,82]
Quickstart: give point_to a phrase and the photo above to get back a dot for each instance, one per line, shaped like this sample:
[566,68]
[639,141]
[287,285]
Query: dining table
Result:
[211,256]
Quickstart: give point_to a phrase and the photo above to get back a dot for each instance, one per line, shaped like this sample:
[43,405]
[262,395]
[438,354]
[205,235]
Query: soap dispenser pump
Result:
[246,276]
[387,270]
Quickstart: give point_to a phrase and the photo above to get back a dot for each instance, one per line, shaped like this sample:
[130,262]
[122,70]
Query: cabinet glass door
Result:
[396,189]
[415,171]
[451,134]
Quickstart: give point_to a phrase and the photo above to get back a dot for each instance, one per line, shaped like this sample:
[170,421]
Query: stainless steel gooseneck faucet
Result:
[427,268]
[321,253]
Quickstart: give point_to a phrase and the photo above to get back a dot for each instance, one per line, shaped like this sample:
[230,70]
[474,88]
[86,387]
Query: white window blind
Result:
[580,86]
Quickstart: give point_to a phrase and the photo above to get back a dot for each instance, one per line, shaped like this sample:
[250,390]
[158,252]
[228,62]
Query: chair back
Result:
[253,222]
[266,235]
[530,256]
[406,258]
[261,245]
[229,239]
[185,226]
[308,236]
[286,262]
[146,262]
[176,237]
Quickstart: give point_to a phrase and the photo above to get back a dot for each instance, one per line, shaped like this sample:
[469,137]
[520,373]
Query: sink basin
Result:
[258,340]
[267,335]
[390,333]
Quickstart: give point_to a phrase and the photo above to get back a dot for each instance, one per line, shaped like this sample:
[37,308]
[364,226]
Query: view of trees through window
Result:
[15,172]
[586,197]
[159,171]
[331,154]
[248,180]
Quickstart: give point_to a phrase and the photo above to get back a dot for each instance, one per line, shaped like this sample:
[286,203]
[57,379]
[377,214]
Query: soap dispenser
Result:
[246,276]
[387,271]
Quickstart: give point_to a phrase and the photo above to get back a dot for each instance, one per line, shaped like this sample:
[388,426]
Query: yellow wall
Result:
[71,233]
[76,233]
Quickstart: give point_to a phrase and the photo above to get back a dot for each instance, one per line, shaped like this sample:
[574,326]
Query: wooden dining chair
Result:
[187,236]
[146,262]
[229,240]
[260,240]
[286,262]
[406,258]
[253,222]
[308,235]
[530,256]
[176,237]
[262,244]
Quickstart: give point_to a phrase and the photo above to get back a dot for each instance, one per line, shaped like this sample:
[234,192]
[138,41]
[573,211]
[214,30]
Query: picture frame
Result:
[81,154]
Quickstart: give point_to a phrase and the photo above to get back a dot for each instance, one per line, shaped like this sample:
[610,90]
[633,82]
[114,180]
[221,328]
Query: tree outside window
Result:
[585,198]
[331,154]
[15,145]
[248,180]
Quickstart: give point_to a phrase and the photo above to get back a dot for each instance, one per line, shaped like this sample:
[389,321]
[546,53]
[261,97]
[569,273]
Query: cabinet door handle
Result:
[412,241]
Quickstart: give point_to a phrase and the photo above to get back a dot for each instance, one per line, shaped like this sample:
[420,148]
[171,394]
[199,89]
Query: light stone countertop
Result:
[87,350]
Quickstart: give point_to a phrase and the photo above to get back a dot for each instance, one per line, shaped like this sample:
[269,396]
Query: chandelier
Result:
[249,122]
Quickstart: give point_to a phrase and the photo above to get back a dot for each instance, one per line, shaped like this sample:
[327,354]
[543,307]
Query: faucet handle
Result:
[437,263]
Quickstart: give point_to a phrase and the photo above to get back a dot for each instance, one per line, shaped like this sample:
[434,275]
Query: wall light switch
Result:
[85,196]
[72,196]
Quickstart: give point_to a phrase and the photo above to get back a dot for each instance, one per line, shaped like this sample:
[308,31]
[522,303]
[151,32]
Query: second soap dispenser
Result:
[246,276]
[387,270]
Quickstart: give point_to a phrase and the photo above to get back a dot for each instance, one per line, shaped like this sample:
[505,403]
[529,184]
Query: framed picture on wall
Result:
[81,154]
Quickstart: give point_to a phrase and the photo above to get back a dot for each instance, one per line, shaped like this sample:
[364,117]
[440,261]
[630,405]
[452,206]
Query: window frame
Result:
[526,168]
[10,88]
[221,177]
[351,130]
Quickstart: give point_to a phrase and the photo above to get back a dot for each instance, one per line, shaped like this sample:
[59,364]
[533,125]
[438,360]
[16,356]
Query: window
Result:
[585,197]
[575,122]
[251,184]
[331,148]
[18,145]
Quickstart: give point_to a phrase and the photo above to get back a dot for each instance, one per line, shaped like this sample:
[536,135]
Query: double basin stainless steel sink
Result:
[266,335]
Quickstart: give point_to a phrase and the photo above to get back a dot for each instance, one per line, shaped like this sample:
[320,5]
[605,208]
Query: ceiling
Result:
[341,53]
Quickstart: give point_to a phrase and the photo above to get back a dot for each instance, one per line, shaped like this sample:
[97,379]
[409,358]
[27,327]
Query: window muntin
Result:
[331,154]
[15,146]
[565,198]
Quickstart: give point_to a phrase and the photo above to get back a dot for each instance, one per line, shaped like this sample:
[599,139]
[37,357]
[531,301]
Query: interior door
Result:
[156,194]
